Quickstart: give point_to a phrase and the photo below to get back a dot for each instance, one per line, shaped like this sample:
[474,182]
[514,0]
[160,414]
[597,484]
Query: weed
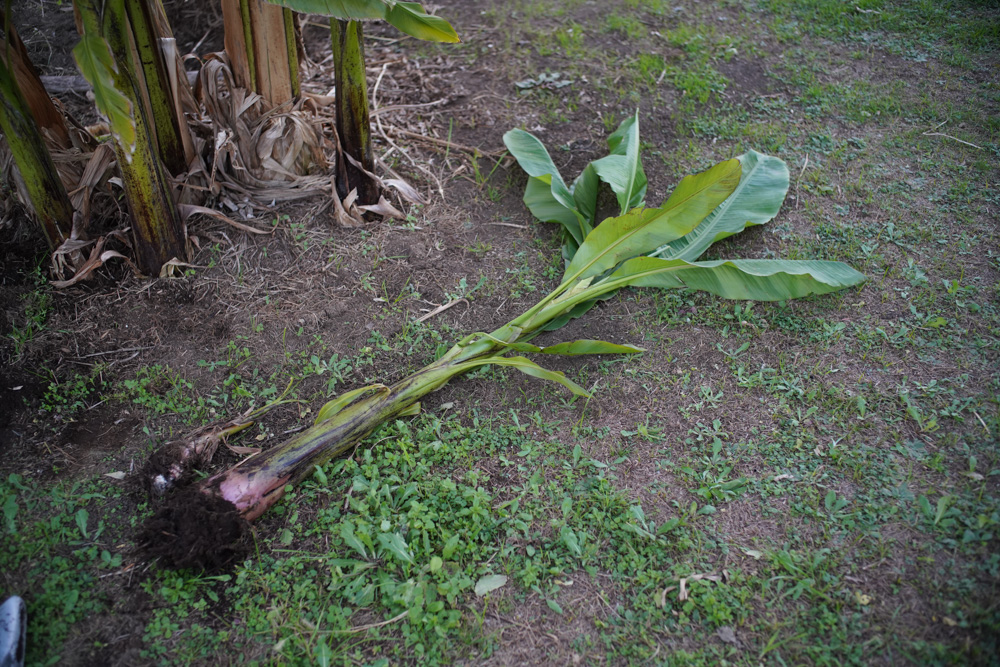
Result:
[163,391]
[37,304]
[67,397]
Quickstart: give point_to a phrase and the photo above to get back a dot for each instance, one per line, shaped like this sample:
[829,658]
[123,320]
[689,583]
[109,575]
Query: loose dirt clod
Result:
[195,530]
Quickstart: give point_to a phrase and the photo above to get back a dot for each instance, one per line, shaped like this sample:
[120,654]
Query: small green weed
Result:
[37,304]
[163,391]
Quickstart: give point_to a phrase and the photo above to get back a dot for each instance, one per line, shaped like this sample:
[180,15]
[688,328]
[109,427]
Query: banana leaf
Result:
[622,169]
[408,17]
[755,201]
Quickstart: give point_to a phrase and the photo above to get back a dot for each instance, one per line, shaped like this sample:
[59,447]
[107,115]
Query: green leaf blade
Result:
[585,190]
[622,169]
[347,10]
[528,367]
[397,546]
[97,65]
[586,346]
[351,540]
[334,406]
[749,279]
[547,196]
[755,201]
[643,230]
[488,583]
[410,18]
[544,206]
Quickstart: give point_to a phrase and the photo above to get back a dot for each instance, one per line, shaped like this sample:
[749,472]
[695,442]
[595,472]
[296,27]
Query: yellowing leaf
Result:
[586,346]
[411,19]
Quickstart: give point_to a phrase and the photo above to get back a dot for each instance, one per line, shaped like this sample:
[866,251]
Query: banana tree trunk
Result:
[48,118]
[40,180]
[263,48]
[353,121]
[157,230]
[159,96]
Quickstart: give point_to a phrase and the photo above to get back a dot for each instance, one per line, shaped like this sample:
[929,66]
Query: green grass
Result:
[56,549]
[36,305]
[916,30]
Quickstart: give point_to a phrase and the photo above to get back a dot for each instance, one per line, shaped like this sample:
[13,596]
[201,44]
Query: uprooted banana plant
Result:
[170,465]
[644,247]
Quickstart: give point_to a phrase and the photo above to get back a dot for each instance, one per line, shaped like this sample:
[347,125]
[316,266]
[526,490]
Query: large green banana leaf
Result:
[750,279]
[642,231]
[540,198]
[575,206]
[409,17]
[756,200]
[546,195]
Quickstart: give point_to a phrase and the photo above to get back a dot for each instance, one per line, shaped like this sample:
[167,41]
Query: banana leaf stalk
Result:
[615,254]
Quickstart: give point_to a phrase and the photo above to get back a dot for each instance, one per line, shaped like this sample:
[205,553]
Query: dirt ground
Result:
[312,288]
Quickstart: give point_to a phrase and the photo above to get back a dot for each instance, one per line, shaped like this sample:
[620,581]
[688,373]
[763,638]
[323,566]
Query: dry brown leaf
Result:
[385,209]
[341,214]
[661,599]
[406,191]
[351,197]
[682,595]
[187,210]
[318,100]
[236,449]
[265,154]
[100,164]
[172,268]
[95,261]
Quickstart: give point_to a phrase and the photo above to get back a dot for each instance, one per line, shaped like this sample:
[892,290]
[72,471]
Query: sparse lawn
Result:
[814,482]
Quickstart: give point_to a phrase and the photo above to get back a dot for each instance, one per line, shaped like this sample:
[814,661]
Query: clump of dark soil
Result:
[196,530]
